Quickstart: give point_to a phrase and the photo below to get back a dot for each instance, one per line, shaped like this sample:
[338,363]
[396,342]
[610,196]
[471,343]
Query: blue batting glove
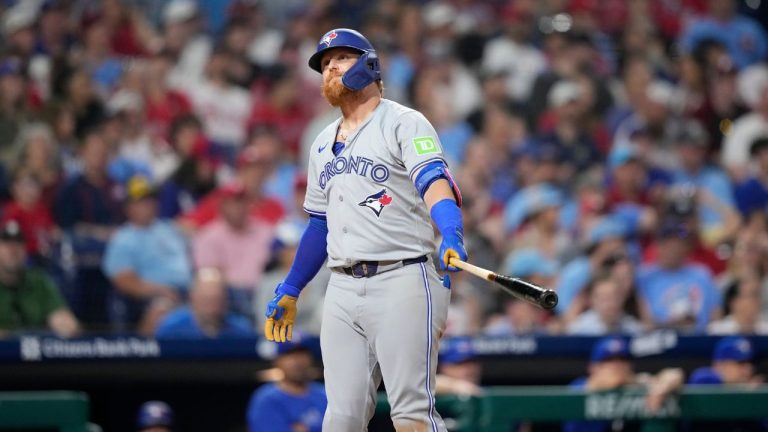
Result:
[281,313]
[452,246]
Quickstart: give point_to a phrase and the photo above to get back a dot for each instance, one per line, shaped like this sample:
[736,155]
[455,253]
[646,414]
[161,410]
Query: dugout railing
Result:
[62,411]
[499,408]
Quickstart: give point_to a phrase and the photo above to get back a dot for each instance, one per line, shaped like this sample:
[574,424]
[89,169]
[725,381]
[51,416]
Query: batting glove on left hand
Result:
[452,246]
[281,313]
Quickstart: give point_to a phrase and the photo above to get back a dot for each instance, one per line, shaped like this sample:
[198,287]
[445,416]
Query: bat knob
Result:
[548,299]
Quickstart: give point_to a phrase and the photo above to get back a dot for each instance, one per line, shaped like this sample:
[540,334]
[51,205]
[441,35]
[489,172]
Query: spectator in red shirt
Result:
[161,103]
[284,110]
[32,213]
[254,165]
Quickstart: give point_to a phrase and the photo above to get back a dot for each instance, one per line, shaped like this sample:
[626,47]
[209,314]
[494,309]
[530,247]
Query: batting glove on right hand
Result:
[281,313]
[452,246]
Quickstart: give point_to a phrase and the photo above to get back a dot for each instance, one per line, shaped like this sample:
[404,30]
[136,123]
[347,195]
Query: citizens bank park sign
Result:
[32,348]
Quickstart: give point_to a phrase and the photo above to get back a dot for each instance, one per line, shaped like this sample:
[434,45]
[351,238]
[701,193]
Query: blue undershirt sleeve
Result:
[311,253]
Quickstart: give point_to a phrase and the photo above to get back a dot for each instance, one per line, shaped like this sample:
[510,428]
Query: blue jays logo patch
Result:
[377,201]
[328,38]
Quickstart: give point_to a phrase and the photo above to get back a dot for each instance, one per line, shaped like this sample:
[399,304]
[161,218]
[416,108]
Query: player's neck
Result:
[356,110]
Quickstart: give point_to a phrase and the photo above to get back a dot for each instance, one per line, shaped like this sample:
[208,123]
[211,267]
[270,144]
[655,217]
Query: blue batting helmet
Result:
[154,413]
[362,73]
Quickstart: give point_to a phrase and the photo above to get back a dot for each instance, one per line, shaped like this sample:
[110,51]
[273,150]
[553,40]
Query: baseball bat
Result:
[544,298]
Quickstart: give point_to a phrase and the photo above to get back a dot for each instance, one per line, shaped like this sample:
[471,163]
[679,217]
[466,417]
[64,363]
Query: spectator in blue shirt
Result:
[147,260]
[744,37]
[206,316]
[717,207]
[674,292]
[295,402]
[752,195]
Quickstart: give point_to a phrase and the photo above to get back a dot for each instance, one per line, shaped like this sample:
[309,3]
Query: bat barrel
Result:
[544,298]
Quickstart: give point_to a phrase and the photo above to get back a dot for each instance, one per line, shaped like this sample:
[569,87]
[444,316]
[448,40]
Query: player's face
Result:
[296,366]
[734,372]
[334,64]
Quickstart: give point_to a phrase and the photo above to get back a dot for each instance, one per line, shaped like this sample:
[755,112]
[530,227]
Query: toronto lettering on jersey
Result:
[359,165]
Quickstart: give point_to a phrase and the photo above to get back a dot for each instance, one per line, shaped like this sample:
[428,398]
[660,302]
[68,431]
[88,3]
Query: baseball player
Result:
[375,176]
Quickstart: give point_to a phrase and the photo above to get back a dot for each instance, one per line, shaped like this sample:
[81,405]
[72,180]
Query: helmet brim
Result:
[314,61]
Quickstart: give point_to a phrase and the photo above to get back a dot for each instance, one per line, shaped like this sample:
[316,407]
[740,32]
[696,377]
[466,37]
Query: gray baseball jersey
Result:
[386,326]
[367,192]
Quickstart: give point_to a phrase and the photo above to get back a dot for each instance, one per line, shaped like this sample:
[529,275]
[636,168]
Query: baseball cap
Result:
[692,133]
[19,17]
[154,413]
[527,262]
[11,231]
[233,189]
[751,84]
[735,348]
[178,11]
[297,343]
[622,154]
[458,351]
[563,92]
[530,201]
[139,187]
[10,66]
[674,229]
[611,347]
[606,228]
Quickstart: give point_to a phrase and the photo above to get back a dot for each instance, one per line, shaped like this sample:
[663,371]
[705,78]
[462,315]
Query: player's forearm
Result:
[438,191]
[310,254]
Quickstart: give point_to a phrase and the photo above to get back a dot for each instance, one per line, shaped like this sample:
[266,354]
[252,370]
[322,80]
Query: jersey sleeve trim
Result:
[314,212]
[423,163]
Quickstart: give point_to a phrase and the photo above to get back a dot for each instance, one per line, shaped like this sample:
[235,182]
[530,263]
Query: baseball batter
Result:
[375,177]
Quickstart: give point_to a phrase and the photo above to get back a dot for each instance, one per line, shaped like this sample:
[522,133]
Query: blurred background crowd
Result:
[153,154]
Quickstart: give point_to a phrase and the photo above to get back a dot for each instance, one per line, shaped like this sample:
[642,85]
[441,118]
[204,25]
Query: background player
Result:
[374,176]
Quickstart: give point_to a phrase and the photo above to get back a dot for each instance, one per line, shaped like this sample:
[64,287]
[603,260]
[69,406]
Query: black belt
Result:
[366,269]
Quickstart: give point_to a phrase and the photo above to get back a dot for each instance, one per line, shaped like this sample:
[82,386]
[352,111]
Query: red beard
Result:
[334,91]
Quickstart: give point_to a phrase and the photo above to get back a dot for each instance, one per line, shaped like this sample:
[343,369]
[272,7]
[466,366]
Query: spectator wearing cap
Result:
[155,416]
[29,299]
[194,176]
[752,194]
[284,109]
[516,316]
[88,209]
[18,29]
[532,217]
[254,165]
[512,53]
[605,239]
[222,106]
[716,212]
[743,302]
[34,216]
[627,182]
[147,261]
[294,402]
[752,89]
[610,368]
[459,370]
[39,155]
[745,39]
[675,293]
[570,123]
[606,313]
[238,245]
[14,110]
[206,316]
[184,39]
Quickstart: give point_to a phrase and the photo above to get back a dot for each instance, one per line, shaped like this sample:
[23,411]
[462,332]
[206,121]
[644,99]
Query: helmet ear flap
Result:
[365,71]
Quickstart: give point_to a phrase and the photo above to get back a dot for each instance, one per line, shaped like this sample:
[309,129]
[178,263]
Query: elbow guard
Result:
[431,173]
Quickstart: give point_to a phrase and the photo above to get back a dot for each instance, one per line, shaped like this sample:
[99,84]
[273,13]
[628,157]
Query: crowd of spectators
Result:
[152,158]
